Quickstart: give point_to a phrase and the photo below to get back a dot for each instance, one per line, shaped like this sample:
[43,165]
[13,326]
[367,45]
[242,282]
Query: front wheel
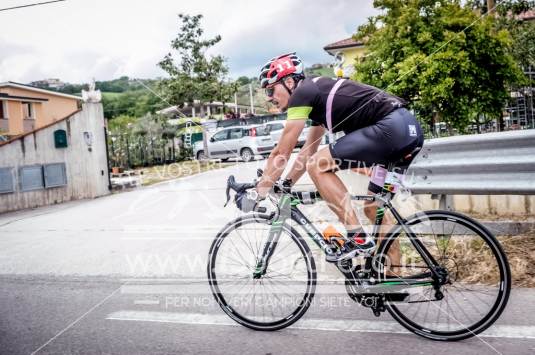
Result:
[478,275]
[277,299]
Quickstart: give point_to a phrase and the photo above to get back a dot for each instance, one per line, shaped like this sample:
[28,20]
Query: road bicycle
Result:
[440,274]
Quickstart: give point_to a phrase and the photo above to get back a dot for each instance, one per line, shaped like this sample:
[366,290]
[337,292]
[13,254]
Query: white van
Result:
[239,141]
[276,128]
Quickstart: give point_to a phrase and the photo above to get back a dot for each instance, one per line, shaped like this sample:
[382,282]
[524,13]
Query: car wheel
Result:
[200,155]
[247,154]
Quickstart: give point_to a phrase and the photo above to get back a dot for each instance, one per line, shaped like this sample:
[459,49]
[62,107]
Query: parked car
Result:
[275,130]
[243,141]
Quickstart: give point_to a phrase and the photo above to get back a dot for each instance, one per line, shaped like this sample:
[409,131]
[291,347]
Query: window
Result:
[6,180]
[221,136]
[55,175]
[260,131]
[27,110]
[276,127]
[31,178]
[236,133]
[3,109]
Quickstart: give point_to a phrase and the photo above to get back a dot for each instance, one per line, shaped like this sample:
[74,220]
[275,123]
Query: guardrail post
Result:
[445,202]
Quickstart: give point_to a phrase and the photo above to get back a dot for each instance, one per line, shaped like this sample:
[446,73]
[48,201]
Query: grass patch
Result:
[159,173]
[520,251]
[471,260]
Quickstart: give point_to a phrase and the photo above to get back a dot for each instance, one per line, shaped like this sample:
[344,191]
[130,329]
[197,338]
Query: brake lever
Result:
[228,196]
[228,190]
[284,186]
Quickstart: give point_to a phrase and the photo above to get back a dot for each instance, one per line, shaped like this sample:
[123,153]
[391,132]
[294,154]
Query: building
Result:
[48,84]
[63,161]
[24,108]
[345,53]
[207,109]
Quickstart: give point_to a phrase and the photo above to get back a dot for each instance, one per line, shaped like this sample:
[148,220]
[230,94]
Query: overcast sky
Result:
[77,40]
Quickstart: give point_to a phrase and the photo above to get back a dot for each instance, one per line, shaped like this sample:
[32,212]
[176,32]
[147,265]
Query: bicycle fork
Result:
[273,237]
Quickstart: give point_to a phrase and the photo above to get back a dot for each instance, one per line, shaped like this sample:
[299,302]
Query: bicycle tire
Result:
[226,305]
[503,290]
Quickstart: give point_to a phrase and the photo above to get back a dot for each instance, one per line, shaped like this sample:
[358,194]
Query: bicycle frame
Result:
[288,210]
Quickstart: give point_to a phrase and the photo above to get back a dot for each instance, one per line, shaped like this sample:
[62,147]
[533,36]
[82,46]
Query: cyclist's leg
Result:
[394,253]
[321,169]
[370,210]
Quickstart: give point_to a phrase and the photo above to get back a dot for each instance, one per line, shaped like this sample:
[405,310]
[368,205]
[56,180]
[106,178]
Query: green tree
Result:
[502,7]
[450,65]
[522,32]
[192,74]
[132,103]
[243,80]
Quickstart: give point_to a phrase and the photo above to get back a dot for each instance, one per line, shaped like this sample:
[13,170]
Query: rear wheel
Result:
[200,155]
[277,299]
[479,278]
[247,154]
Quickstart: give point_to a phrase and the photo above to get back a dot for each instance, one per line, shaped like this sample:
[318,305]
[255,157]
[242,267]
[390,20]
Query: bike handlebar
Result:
[237,187]
[305,196]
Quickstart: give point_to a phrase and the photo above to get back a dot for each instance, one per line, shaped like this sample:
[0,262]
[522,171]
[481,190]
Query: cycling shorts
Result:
[384,142]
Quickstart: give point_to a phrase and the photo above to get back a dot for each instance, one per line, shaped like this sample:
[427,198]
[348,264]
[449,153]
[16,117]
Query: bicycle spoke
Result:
[249,246]
[462,293]
[458,306]
[238,252]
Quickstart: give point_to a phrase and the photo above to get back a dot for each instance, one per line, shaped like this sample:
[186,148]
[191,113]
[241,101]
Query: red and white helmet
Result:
[279,67]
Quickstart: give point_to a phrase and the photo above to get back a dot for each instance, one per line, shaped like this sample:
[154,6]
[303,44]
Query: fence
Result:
[128,151]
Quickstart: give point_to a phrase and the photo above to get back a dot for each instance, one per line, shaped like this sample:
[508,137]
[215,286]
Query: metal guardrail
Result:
[483,164]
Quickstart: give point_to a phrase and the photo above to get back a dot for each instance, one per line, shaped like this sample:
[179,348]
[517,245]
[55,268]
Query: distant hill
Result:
[122,84]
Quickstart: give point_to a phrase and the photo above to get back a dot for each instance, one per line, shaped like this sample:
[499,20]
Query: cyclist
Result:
[378,130]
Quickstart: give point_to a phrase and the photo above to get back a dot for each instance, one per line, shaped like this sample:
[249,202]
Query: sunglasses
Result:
[270,91]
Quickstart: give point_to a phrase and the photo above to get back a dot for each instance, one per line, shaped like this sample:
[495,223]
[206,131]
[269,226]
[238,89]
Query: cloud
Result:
[78,40]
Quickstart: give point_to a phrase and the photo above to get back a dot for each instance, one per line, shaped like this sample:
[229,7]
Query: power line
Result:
[29,5]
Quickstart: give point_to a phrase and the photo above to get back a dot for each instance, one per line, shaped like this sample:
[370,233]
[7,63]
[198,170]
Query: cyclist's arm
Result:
[315,133]
[278,158]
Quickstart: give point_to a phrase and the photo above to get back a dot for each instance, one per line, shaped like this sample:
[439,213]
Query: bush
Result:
[184,154]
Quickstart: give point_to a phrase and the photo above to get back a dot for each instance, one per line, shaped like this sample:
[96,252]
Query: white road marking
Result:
[497,331]
[147,302]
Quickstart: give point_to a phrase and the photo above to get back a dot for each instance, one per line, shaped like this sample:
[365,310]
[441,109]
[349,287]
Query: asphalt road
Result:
[125,274]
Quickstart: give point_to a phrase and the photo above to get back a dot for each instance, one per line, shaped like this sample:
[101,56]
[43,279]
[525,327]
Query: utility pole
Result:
[236,103]
[490,6]
[251,97]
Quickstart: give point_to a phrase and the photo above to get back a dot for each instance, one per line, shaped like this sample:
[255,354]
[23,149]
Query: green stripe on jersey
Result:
[299,113]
